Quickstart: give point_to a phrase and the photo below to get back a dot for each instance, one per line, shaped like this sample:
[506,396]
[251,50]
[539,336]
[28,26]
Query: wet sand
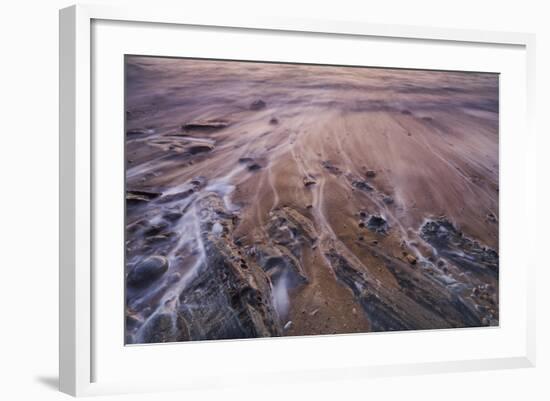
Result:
[271,200]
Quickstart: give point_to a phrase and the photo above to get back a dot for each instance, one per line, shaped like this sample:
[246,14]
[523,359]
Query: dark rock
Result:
[453,245]
[147,271]
[246,160]
[410,259]
[382,314]
[377,224]
[309,181]
[230,289]
[257,105]
[331,168]
[388,200]
[196,149]
[198,182]
[254,167]
[362,185]
[273,121]
[370,173]
[172,216]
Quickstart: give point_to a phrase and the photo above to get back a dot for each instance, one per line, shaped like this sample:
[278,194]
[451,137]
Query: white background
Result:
[29,152]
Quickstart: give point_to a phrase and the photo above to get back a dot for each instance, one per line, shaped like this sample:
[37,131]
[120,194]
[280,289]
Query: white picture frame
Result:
[78,158]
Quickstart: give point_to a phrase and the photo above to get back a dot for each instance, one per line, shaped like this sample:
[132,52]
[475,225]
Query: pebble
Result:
[257,105]
[147,271]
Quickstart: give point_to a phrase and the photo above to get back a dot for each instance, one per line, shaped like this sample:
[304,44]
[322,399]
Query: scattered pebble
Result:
[147,271]
[254,167]
[309,181]
[257,105]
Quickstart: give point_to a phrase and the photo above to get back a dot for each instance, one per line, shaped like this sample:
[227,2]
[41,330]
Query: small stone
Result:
[173,216]
[309,181]
[257,105]
[273,121]
[147,271]
[362,185]
[254,167]
[411,259]
[309,206]
[288,325]
[200,149]
[370,173]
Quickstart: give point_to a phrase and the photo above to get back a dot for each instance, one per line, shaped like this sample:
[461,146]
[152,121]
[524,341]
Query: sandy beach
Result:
[284,200]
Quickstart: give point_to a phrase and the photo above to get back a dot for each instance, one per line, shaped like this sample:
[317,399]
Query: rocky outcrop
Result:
[147,271]
[461,250]
[419,303]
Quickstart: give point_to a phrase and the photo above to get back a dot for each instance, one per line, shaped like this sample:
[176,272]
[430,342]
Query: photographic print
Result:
[279,199]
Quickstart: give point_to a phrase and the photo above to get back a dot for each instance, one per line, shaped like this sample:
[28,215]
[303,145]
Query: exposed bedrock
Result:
[452,244]
[419,302]
[227,297]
